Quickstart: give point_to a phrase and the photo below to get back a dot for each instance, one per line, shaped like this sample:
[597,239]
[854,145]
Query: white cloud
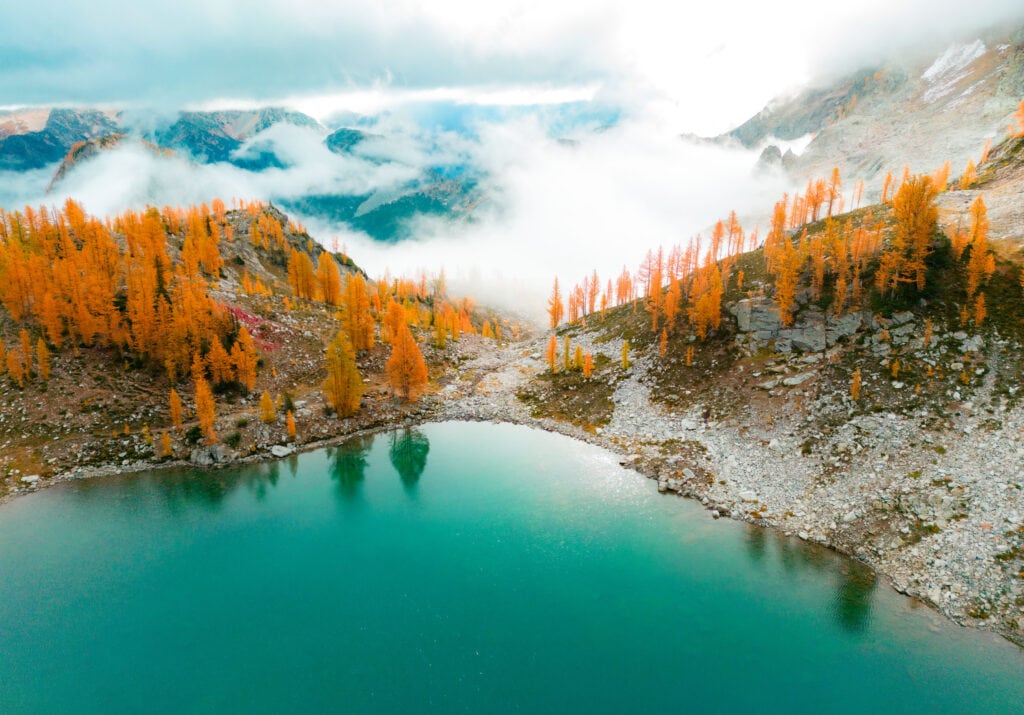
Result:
[564,210]
[712,64]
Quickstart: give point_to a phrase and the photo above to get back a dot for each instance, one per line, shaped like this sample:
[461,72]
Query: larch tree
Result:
[289,421]
[835,189]
[551,355]
[244,359]
[980,312]
[166,450]
[205,409]
[43,359]
[219,362]
[555,307]
[977,264]
[916,217]
[343,387]
[176,411]
[26,350]
[969,176]
[268,411]
[329,279]
[406,369]
[357,318]
[16,367]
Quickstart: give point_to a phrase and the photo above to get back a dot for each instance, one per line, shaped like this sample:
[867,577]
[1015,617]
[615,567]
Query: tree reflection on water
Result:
[348,465]
[408,453]
[850,605]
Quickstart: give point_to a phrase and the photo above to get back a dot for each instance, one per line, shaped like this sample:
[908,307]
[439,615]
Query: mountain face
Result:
[809,112]
[343,140]
[392,216]
[208,137]
[34,149]
[212,137]
[31,140]
[910,113]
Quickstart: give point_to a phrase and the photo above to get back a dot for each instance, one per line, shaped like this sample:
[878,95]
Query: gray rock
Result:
[900,318]
[798,379]
[972,345]
[748,495]
[761,317]
[30,478]
[806,338]
[208,456]
[281,450]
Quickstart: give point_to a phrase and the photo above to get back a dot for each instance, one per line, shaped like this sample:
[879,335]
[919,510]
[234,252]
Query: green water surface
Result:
[457,567]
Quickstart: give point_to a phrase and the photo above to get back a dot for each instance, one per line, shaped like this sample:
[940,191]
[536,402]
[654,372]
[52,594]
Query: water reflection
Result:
[855,583]
[408,453]
[852,605]
[348,465]
[181,489]
[756,540]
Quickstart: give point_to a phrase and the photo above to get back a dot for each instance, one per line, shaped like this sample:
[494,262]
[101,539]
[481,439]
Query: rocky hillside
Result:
[66,139]
[920,112]
[102,411]
[206,136]
[30,141]
[892,431]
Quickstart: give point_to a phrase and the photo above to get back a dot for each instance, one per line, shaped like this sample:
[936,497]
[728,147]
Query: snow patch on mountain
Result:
[950,67]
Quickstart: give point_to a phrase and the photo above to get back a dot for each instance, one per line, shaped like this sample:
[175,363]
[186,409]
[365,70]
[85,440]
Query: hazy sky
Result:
[705,68]
[599,202]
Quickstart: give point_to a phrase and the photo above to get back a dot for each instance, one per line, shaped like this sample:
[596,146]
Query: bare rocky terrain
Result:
[918,111]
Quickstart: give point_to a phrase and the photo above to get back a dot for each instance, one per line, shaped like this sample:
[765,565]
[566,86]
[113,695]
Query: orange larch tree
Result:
[357,318]
[205,409]
[176,411]
[555,308]
[978,263]
[343,387]
[916,217]
[406,369]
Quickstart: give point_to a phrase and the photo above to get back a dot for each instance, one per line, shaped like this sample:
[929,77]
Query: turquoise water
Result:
[457,567]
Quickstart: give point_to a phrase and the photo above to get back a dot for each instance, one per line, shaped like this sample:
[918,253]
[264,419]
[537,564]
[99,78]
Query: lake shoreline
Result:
[485,389]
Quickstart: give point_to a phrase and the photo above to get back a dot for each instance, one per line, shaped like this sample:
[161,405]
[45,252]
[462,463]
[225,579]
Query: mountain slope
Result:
[25,147]
[920,113]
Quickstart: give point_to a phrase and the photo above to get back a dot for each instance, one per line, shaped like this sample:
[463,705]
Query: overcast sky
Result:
[706,68]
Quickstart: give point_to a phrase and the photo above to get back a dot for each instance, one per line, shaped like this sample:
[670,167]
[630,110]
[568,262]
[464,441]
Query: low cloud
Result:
[132,175]
[566,208]
[555,203]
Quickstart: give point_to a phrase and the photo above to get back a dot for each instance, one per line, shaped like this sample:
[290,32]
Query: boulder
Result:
[208,456]
[972,345]
[808,339]
[281,450]
[797,379]
[843,327]
[760,317]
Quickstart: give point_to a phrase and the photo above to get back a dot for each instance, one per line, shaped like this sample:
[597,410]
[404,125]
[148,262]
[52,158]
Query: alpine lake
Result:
[453,567]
